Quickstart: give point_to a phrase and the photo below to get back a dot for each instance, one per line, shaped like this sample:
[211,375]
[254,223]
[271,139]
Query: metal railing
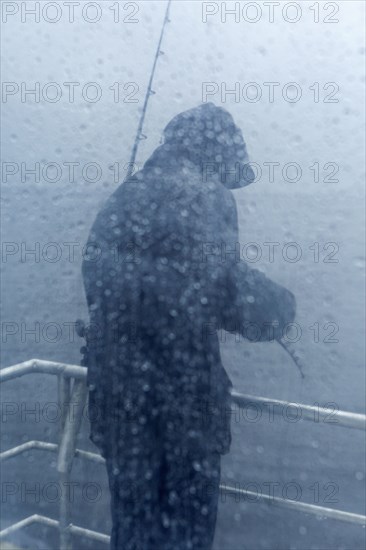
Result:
[72,396]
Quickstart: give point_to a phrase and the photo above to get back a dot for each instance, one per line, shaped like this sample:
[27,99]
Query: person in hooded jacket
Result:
[158,287]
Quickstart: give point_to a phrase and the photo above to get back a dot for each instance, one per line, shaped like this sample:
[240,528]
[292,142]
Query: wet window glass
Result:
[183,268]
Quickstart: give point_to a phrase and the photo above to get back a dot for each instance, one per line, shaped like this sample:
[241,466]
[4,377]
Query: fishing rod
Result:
[149,92]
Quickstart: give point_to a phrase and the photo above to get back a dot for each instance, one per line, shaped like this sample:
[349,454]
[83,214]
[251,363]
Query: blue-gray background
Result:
[304,211]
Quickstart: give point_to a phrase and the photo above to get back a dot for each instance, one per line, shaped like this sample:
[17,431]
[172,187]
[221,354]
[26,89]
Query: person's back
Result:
[163,289]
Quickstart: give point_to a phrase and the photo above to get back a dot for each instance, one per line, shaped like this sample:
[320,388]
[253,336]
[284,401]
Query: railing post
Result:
[66,456]
[63,387]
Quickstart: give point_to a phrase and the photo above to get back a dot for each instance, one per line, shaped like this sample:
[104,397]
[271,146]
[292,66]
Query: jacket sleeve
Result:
[255,306]
[258,308]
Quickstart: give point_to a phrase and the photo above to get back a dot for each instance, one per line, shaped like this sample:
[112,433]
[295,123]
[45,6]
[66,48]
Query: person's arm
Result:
[255,306]
[259,309]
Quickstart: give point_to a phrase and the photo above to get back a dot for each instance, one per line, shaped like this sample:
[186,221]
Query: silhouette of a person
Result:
[161,275]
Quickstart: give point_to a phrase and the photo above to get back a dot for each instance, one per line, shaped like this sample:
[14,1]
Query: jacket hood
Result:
[209,136]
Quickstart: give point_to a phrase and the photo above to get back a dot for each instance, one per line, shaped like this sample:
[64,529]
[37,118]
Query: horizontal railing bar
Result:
[329,513]
[307,412]
[94,457]
[33,366]
[44,520]
[36,518]
[286,503]
[82,532]
[28,446]
[53,447]
[295,505]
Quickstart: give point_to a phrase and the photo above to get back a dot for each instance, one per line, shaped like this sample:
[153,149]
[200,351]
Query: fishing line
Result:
[292,353]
